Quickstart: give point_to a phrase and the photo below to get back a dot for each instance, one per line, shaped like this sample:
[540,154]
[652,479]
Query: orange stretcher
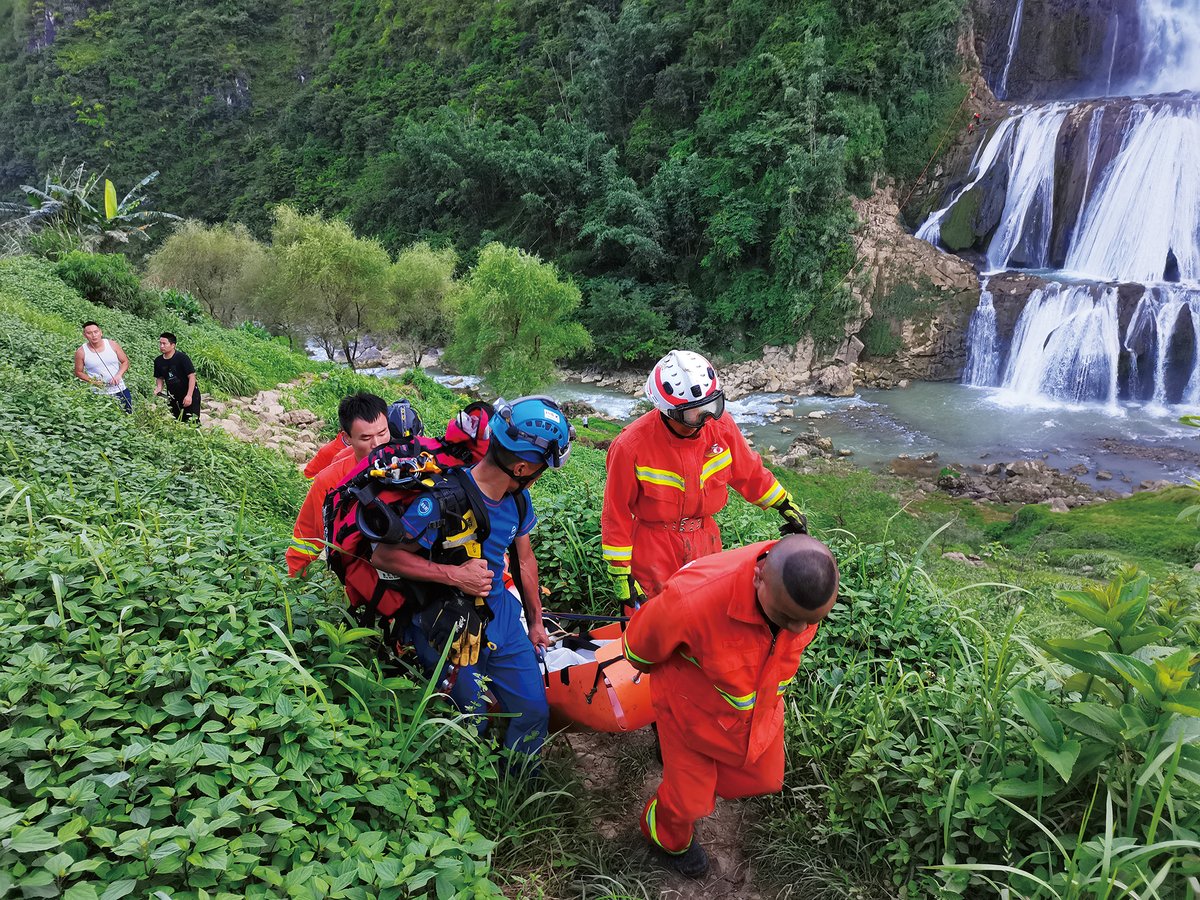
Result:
[607,694]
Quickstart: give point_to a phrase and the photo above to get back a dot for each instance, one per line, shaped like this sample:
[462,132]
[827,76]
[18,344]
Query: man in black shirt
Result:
[174,371]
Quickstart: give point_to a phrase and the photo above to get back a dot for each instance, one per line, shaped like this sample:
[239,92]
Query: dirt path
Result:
[620,771]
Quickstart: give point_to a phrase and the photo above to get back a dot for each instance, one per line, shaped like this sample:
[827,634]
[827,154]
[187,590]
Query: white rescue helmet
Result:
[684,386]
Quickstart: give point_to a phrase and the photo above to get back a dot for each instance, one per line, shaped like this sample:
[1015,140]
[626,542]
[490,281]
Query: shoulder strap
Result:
[457,494]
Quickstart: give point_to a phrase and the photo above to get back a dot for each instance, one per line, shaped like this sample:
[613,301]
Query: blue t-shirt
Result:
[505,528]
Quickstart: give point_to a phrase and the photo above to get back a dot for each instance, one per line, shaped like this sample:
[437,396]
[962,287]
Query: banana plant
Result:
[64,212]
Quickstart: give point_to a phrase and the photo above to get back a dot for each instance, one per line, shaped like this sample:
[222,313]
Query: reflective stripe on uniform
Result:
[783,686]
[631,656]
[773,495]
[665,477]
[722,460]
[743,703]
[616,554]
[304,548]
[652,827]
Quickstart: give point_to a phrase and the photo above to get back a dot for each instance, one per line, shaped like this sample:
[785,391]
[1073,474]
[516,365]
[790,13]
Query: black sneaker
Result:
[692,862]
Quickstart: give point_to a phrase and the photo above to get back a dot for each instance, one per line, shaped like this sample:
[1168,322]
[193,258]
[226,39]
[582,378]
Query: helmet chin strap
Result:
[523,481]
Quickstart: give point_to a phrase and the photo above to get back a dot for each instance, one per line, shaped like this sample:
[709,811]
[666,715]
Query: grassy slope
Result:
[140,591]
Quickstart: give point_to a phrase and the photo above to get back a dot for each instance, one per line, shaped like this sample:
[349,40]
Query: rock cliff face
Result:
[918,299]
[1062,48]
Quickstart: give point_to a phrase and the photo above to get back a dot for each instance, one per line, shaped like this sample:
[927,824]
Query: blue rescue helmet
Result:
[535,429]
[403,422]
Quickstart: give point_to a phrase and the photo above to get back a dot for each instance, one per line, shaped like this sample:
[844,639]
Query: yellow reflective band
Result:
[630,655]
[618,554]
[305,547]
[772,496]
[783,686]
[744,704]
[722,460]
[658,476]
[652,827]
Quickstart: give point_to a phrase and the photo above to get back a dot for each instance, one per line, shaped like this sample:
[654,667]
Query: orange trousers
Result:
[659,551]
[692,782]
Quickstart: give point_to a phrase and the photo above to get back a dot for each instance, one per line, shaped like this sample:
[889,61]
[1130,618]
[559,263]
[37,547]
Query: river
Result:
[962,424]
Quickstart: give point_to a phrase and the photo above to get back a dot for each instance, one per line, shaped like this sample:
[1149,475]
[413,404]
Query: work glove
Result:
[625,586]
[460,619]
[794,521]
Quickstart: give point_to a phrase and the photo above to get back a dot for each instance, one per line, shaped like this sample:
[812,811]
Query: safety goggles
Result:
[698,412]
[554,455]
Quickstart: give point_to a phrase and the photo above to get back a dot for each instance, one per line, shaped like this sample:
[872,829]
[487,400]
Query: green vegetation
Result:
[416,314]
[1140,529]
[514,321]
[223,267]
[66,214]
[180,716]
[688,162]
[40,320]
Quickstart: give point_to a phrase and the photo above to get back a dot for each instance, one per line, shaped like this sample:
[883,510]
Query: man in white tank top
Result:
[102,364]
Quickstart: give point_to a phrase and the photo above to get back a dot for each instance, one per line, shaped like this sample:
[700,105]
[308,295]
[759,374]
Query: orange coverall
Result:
[662,491]
[717,690]
[308,535]
[325,456]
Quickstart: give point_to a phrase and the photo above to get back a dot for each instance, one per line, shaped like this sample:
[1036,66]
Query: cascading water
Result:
[983,357]
[1102,199]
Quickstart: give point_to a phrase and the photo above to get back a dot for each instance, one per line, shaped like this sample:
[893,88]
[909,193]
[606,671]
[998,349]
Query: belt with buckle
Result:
[685,525]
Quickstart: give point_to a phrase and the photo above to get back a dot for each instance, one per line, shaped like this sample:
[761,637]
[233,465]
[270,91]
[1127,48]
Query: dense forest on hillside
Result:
[687,161]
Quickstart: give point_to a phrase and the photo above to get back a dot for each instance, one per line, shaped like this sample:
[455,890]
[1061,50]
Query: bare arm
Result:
[158,385]
[79,373]
[122,359]
[191,388]
[472,577]
[531,591]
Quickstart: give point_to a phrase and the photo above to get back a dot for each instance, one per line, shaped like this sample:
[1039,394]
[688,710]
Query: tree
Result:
[65,214]
[326,278]
[222,266]
[415,314]
[514,320]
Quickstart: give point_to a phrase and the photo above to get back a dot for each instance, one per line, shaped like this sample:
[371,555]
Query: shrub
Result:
[181,304]
[108,280]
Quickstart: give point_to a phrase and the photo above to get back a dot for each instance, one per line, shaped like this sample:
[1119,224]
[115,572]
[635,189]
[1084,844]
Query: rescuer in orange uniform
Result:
[325,456]
[723,640]
[363,419]
[667,476]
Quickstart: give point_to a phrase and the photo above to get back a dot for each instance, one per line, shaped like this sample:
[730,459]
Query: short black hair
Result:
[810,577]
[88,324]
[363,406]
[170,337]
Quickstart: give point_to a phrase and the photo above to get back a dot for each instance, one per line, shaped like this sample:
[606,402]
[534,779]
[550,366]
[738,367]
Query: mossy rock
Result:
[959,227]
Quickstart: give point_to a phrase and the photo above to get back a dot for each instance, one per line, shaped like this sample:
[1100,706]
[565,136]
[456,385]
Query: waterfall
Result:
[1108,193]
[1014,40]
[983,345]
[1169,35]
[1154,328]
[1065,345]
[1147,206]
[985,157]
[1029,202]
